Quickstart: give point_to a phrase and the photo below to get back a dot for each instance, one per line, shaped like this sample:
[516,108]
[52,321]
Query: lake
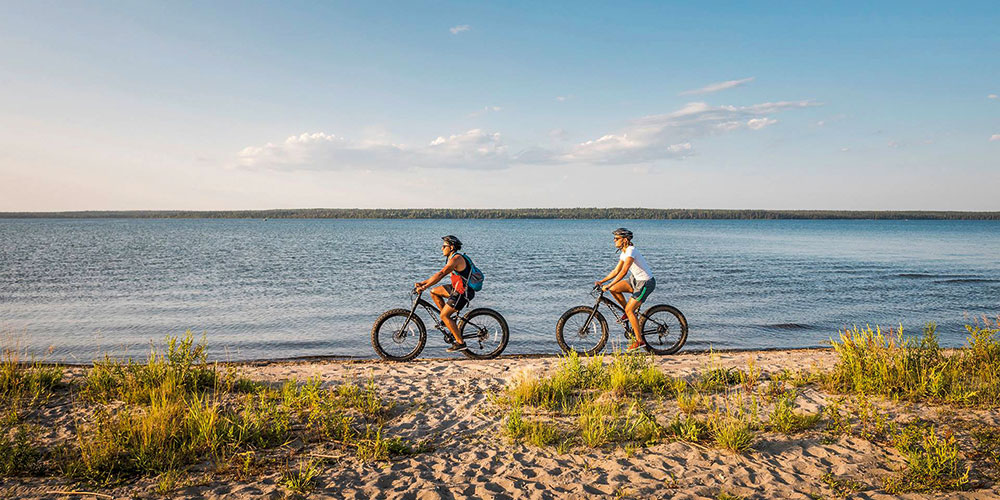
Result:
[73,289]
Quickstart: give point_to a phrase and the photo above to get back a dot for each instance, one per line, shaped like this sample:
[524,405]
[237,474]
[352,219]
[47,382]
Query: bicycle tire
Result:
[485,334]
[568,317]
[659,338]
[395,337]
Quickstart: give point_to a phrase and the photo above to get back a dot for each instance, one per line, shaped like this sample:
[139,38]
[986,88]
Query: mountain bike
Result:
[583,328]
[400,334]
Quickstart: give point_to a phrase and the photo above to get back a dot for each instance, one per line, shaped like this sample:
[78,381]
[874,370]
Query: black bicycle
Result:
[583,328]
[400,335]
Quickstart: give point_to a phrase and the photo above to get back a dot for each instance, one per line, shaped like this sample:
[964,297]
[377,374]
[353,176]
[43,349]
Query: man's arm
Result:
[448,268]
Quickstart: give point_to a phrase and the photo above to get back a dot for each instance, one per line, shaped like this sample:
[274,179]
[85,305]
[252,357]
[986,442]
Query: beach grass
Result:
[892,364]
[176,418]
[176,409]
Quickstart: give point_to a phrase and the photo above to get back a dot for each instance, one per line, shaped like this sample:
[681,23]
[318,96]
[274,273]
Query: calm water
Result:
[286,288]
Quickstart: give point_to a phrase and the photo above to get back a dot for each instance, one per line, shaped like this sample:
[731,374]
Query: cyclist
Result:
[640,283]
[451,298]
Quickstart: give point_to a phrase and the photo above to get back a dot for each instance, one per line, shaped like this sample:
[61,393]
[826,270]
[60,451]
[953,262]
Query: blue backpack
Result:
[476,277]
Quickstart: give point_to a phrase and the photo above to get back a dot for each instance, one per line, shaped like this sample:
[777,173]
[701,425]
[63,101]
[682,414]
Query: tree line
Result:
[511,213]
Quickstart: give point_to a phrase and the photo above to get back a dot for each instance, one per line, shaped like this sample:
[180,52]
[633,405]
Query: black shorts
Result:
[458,301]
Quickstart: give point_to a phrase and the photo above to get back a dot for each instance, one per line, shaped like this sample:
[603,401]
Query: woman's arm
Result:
[448,268]
[621,271]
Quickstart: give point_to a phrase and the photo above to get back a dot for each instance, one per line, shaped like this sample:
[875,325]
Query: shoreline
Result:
[361,360]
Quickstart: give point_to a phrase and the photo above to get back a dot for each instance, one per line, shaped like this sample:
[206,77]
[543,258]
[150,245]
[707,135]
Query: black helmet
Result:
[624,233]
[453,241]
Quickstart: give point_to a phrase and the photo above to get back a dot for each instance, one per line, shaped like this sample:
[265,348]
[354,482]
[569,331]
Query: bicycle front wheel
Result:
[485,333]
[396,339]
[583,330]
[664,329]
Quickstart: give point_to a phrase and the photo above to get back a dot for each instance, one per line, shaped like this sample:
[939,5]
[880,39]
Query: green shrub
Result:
[688,429]
[19,454]
[784,419]
[932,463]
[732,433]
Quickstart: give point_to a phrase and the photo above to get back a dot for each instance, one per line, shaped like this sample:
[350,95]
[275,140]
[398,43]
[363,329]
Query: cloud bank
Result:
[717,87]
[645,140]
[461,28]
[321,151]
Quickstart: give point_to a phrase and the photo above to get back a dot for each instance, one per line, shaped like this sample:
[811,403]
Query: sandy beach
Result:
[450,405]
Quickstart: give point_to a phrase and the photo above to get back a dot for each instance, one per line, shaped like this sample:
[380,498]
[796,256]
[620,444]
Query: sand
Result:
[447,402]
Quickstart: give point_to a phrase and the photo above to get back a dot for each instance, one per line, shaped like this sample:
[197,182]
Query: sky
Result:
[108,105]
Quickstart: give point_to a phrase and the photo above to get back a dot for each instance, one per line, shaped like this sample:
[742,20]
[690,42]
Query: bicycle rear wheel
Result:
[664,329]
[392,341]
[485,333]
[578,331]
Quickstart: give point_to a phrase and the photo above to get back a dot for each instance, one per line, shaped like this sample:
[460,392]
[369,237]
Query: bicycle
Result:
[664,328]
[400,334]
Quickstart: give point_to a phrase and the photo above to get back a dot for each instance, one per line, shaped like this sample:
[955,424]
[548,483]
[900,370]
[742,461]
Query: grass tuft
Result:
[784,419]
[932,462]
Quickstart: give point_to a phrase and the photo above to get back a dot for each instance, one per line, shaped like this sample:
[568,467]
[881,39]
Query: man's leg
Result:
[439,295]
[618,291]
[446,313]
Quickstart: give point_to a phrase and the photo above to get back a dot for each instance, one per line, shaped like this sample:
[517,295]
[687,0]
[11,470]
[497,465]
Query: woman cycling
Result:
[640,283]
[451,298]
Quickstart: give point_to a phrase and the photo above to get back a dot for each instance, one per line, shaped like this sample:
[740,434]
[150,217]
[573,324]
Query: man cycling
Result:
[451,298]
[640,283]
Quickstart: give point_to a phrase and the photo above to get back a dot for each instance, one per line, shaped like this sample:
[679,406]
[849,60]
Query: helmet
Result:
[453,241]
[624,233]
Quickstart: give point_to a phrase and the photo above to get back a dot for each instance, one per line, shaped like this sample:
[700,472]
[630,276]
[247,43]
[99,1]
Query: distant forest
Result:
[511,213]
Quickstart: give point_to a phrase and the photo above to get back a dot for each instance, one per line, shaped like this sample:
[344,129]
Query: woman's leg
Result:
[618,291]
[630,310]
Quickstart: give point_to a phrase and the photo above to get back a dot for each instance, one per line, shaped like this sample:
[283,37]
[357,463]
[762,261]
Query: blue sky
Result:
[226,105]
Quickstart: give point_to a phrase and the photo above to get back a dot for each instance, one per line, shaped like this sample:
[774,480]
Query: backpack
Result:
[475,277]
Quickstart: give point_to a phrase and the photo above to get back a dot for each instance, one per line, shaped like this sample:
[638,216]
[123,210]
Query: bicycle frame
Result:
[435,313]
[616,309]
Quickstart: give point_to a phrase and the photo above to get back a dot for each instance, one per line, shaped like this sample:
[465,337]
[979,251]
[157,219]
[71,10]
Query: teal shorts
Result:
[641,289]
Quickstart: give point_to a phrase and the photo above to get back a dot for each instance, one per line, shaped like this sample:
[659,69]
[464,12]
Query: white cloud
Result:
[716,87]
[759,123]
[661,137]
[893,144]
[845,149]
[995,138]
[486,109]
[459,29]
[991,96]
[319,151]
[644,140]
[563,98]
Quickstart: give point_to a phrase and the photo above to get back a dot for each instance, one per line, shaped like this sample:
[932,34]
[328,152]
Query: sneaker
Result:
[636,345]
[457,347]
